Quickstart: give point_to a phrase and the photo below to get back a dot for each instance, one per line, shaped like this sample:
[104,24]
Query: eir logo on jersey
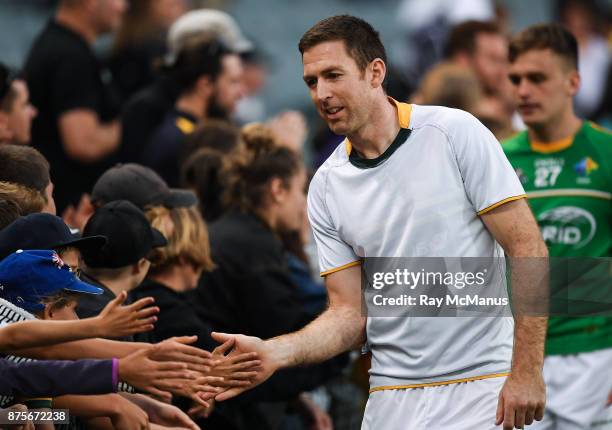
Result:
[567,225]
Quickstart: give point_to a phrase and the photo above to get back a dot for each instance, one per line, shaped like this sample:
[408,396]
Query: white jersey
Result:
[423,200]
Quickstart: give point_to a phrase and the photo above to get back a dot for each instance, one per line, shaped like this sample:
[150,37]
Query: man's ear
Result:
[462,58]
[378,71]
[47,312]
[204,86]
[139,266]
[277,190]
[573,83]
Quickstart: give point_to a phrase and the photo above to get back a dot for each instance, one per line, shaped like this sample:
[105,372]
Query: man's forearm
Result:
[529,337]
[530,297]
[333,332]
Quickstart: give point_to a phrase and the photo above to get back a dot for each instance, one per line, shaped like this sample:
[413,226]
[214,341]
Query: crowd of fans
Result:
[177,220]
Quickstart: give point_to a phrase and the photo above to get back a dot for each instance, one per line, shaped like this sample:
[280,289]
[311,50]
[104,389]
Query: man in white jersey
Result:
[410,181]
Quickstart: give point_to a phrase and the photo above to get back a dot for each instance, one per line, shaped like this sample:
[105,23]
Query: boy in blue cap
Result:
[32,279]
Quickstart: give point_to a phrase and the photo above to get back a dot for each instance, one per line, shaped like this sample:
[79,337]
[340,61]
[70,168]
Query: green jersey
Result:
[569,187]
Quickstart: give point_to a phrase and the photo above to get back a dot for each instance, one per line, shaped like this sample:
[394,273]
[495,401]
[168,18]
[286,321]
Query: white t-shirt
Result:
[423,200]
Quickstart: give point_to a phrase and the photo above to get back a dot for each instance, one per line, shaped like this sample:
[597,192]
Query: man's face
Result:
[543,86]
[107,14]
[293,203]
[490,61]
[338,89]
[19,118]
[228,89]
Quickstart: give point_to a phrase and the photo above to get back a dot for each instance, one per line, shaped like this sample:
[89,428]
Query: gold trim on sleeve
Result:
[337,269]
[494,205]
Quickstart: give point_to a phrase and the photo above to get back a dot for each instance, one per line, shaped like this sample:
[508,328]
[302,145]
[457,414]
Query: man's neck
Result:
[564,126]
[76,22]
[192,105]
[380,131]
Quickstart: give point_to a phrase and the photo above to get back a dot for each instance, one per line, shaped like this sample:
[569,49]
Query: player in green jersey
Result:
[565,166]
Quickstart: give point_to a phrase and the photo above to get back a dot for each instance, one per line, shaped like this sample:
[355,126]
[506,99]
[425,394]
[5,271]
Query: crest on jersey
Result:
[585,166]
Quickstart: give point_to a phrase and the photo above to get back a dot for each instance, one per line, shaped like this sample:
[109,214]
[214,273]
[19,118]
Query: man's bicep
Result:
[334,253]
[488,177]
[344,288]
[512,224]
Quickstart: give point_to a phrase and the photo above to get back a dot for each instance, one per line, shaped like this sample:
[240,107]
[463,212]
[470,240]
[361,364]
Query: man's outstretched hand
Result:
[246,344]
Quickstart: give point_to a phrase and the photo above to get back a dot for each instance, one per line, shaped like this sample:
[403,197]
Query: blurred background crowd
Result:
[202,104]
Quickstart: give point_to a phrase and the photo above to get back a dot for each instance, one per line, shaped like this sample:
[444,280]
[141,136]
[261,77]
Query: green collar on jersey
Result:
[368,163]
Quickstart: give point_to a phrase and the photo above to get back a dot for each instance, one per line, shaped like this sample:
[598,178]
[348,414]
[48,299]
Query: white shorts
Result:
[603,421]
[460,406]
[577,388]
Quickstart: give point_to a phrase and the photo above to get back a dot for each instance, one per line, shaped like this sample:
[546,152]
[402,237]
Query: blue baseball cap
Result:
[27,277]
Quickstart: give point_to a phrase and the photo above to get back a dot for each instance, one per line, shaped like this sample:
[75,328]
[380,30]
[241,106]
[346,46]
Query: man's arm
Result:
[523,397]
[339,328]
[84,138]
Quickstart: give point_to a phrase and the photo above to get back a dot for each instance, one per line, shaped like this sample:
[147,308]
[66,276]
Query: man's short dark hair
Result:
[462,37]
[201,55]
[362,42]
[25,166]
[546,36]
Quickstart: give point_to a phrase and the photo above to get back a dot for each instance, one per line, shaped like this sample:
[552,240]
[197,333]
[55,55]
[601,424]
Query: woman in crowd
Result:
[251,290]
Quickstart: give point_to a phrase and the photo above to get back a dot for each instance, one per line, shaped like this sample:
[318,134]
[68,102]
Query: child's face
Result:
[72,259]
[67,312]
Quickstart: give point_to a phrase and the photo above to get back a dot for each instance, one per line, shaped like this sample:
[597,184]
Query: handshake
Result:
[169,368]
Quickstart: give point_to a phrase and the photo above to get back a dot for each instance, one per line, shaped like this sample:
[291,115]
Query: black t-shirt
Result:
[176,317]
[63,74]
[134,65]
[142,114]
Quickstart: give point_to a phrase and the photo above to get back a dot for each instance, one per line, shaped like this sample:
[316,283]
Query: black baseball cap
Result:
[44,231]
[130,235]
[141,186]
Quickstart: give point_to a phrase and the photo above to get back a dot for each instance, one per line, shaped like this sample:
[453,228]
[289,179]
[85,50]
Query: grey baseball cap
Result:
[211,22]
